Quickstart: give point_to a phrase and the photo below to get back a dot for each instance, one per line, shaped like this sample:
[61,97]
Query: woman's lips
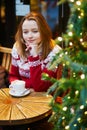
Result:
[30,41]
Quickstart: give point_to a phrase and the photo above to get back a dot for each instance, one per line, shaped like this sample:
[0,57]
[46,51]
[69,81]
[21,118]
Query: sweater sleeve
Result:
[13,74]
[14,71]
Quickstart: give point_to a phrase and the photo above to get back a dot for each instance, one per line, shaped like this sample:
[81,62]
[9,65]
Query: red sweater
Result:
[30,70]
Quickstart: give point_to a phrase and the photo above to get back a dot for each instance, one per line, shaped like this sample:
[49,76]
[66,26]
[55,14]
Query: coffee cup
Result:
[17,86]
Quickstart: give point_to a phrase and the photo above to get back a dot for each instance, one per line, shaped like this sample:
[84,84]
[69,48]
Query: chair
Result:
[6,57]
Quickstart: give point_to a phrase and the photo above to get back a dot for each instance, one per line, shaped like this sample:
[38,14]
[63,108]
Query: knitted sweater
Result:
[30,70]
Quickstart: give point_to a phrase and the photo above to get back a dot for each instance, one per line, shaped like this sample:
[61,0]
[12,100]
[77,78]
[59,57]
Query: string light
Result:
[70,43]
[67,63]
[66,52]
[63,64]
[82,107]
[79,119]
[60,39]
[79,17]
[76,92]
[83,43]
[68,97]
[61,55]
[82,76]
[81,40]
[75,125]
[71,26]
[65,109]
[74,74]
[63,117]
[81,34]
[78,9]
[67,127]
[71,0]
[82,14]
[85,112]
[78,3]
[70,33]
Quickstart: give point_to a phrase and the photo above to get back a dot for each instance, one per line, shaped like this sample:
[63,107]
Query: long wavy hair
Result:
[45,32]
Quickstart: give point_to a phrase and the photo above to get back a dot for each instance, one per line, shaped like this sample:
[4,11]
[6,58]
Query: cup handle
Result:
[10,86]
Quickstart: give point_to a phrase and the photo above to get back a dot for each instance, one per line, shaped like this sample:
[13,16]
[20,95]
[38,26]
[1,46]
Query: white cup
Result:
[17,86]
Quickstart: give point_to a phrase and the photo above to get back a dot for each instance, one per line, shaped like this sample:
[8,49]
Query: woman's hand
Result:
[34,49]
[31,90]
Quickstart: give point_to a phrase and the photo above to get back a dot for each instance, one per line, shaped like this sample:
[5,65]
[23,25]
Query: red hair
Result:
[45,32]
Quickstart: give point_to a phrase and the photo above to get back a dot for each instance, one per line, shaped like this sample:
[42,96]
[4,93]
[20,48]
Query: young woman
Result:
[33,52]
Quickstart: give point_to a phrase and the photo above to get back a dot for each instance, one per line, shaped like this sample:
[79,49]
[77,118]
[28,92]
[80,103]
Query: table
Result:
[23,110]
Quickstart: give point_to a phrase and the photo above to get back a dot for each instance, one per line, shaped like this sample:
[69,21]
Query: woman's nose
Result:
[30,34]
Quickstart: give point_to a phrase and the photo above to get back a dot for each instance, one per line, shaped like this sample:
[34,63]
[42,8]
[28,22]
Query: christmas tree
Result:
[70,110]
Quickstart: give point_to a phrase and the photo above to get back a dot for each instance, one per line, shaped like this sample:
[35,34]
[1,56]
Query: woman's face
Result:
[31,33]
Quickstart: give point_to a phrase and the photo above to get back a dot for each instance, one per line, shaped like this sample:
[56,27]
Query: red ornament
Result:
[58,100]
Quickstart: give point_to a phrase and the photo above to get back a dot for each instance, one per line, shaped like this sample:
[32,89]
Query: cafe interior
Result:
[11,12]
[33,110]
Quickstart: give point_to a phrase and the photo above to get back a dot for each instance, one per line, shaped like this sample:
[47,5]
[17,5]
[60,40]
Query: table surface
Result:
[23,110]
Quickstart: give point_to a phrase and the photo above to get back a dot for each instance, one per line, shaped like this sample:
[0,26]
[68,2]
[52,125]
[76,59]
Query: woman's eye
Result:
[25,32]
[35,31]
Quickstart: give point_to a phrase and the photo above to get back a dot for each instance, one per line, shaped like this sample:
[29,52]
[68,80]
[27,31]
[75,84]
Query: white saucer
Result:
[26,92]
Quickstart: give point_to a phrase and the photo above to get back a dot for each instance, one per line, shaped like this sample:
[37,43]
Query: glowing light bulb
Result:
[83,43]
[75,125]
[66,52]
[65,108]
[82,76]
[79,119]
[81,33]
[81,40]
[63,64]
[74,74]
[61,55]
[78,8]
[79,17]
[78,2]
[76,92]
[63,117]
[70,33]
[85,112]
[69,97]
[82,107]
[67,127]
[70,43]
[82,14]
[60,39]
[71,0]
[71,25]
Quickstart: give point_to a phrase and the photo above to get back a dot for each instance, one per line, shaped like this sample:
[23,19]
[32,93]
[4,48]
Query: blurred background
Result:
[11,12]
